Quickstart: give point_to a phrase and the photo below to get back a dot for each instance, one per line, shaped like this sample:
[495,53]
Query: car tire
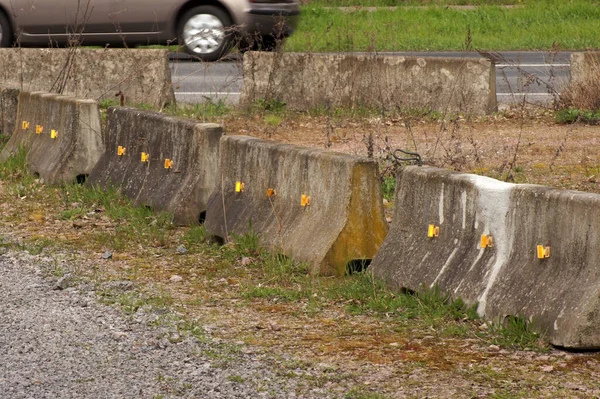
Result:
[6,34]
[206,33]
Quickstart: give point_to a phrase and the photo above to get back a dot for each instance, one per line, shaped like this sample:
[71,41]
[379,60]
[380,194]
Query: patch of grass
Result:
[270,293]
[3,140]
[536,25]
[133,223]
[574,115]
[236,378]
[108,102]
[400,3]
[388,187]
[271,105]
[195,236]
[131,302]
[206,110]
[516,332]
[361,393]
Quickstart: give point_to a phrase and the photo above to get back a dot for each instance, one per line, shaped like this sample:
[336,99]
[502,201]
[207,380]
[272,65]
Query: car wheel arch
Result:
[10,21]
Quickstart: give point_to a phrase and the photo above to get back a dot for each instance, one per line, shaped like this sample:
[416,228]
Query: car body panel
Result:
[131,22]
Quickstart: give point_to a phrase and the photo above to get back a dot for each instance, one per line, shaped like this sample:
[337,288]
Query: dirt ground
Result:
[521,147]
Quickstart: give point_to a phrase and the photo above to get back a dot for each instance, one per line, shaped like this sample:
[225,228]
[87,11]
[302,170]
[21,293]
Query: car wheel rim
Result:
[203,33]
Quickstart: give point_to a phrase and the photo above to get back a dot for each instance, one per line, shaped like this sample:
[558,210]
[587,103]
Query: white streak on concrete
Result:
[448,261]
[493,207]
[463,198]
[479,255]
[441,206]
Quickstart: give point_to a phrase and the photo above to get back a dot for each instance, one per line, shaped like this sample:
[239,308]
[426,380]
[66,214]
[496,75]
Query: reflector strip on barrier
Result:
[305,200]
[433,231]
[239,187]
[487,241]
[543,252]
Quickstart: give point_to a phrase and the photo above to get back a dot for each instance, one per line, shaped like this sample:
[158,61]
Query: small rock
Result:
[547,369]
[394,344]
[176,279]
[246,261]
[275,327]
[388,219]
[77,225]
[75,205]
[494,348]
[119,335]
[63,282]
[181,250]
[119,285]
[107,255]
[484,327]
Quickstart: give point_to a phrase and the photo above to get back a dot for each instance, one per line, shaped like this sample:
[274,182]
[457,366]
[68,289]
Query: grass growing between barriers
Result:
[536,25]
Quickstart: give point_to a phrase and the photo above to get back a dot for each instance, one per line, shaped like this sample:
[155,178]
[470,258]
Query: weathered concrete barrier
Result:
[585,66]
[164,162]
[62,135]
[9,100]
[305,81]
[479,239]
[315,206]
[143,75]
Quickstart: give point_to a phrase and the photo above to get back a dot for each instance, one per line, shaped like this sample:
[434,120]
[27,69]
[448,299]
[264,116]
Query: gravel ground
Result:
[64,343]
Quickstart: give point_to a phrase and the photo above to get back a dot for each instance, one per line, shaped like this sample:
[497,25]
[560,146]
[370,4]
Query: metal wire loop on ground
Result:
[412,157]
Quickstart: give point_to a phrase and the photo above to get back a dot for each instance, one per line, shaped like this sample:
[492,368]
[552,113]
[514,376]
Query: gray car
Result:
[207,29]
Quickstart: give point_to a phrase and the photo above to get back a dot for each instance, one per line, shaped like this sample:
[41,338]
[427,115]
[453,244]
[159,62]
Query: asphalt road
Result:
[533,75]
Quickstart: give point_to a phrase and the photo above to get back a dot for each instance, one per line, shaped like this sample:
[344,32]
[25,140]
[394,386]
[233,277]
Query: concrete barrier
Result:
[560,294]
[387,82]
[182,187]
[9,100]
[265,186]
[585,66]
[143,75]
[62,135]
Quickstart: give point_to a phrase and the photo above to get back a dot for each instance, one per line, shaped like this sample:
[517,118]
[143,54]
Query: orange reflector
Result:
[433,231]
[305,200]
[543,252]
[487,241]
